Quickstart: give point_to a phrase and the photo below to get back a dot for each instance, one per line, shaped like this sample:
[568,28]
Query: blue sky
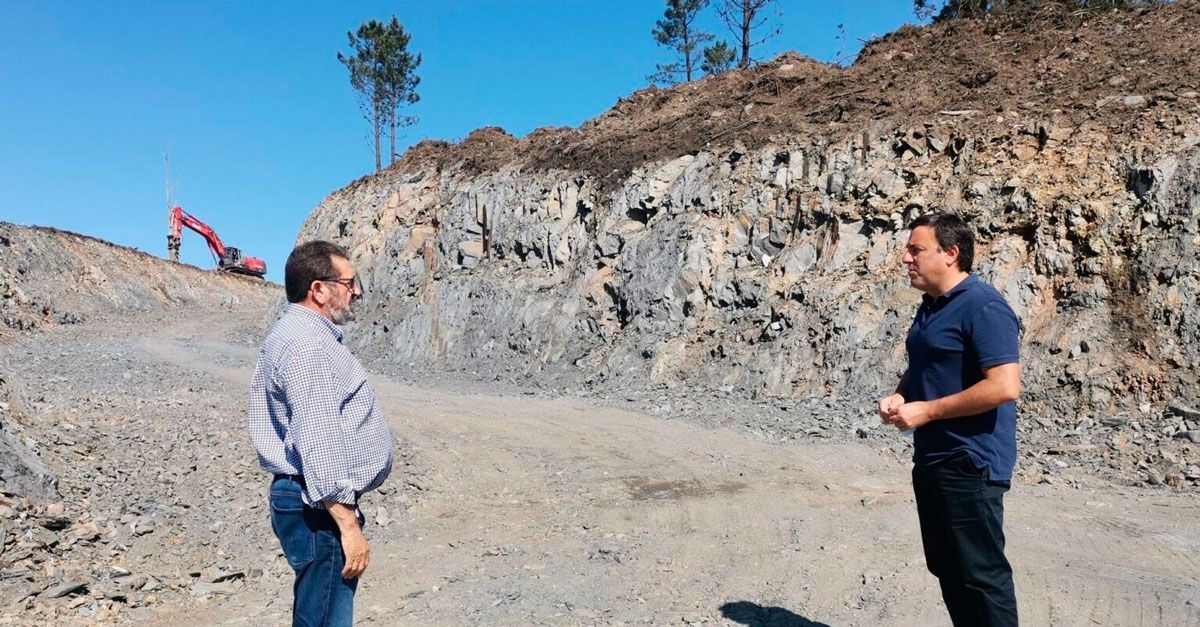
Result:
[258,115]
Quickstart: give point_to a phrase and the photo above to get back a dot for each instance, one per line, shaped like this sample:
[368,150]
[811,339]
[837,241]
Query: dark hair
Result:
[310,261]
[950,230]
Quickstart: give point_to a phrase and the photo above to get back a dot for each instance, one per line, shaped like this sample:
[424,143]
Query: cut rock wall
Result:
[776,271]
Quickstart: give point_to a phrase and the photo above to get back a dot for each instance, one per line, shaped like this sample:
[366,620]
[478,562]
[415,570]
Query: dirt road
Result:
[560,511]
[535,510]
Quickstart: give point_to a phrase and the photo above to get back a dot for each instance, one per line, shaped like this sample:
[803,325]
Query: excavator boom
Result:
[228,258]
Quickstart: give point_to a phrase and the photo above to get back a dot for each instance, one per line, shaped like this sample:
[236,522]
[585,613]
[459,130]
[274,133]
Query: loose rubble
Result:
[156,475]
[124,481]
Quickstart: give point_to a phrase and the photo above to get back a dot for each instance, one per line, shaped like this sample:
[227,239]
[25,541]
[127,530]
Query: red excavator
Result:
[229,259]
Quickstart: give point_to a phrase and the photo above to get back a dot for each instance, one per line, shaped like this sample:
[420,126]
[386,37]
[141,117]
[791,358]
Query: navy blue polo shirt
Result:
[952,339]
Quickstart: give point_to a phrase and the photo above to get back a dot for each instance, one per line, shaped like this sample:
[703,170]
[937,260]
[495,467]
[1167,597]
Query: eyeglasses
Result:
[351,283]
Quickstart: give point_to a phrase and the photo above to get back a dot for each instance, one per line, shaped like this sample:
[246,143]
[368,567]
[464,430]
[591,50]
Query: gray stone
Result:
[1186,411]
[1114,421]
[22,471]
[203,588]
[65,589]
[420,482]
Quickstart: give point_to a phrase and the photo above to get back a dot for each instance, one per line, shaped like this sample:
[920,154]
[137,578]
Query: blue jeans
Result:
[313,548]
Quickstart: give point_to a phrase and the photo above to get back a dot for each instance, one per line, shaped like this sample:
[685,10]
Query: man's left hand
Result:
[912,415]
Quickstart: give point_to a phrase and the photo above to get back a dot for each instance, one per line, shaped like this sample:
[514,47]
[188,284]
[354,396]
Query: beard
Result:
[341,315]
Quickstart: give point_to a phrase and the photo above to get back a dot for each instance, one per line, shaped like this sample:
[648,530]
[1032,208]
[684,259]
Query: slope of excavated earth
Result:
[1043,62]
[741,237]
[50,279]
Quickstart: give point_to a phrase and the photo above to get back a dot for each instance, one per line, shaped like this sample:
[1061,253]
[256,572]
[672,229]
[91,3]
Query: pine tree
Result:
[383,75]
[676,30]
[718,58]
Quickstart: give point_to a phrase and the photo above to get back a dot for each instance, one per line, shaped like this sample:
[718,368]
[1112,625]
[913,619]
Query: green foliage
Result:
[383,75]
[718,58]
[948,9]
[675,30]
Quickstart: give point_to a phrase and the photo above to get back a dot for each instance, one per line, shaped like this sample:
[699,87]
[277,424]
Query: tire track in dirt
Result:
[1104,562]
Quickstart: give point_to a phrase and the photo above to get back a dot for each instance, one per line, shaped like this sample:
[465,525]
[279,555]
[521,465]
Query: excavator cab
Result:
[233,257]
[234,261]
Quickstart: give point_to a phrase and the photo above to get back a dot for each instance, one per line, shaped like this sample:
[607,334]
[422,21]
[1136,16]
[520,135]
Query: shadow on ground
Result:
[755,615]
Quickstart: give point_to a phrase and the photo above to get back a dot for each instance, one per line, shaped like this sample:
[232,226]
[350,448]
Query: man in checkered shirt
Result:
[318,429]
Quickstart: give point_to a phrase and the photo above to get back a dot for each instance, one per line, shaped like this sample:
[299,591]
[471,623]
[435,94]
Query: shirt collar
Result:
[315,319]
[962,286]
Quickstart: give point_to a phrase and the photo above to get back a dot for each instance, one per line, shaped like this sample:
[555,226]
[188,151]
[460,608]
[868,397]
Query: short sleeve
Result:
[995,334]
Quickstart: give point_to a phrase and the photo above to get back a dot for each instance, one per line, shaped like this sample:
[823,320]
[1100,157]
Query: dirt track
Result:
[560,511]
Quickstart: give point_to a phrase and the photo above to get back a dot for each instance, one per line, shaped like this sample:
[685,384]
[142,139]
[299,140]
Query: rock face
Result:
[771,265]
[778,271]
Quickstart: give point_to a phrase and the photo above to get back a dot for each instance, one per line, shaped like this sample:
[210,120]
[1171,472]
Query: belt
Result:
[358,513]
[297,478]
[300,480]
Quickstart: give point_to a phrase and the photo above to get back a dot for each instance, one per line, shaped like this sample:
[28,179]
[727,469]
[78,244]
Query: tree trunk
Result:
[687,54]
[392,138]
[377,131]
[747,15]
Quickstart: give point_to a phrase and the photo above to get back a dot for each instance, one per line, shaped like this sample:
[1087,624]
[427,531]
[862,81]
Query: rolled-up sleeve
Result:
[317,429]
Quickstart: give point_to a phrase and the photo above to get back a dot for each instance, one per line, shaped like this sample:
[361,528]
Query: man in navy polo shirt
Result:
[959,394]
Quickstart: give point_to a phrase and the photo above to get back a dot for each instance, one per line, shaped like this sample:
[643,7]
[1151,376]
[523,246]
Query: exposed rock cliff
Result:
[766,259]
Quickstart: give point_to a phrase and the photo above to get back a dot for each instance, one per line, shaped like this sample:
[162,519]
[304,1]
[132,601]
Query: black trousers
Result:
[962,518]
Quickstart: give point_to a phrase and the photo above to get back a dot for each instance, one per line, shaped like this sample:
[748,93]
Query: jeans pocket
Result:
[290,524]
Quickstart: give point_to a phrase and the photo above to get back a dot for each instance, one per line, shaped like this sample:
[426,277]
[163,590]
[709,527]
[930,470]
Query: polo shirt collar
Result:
[962,286]
[315,319]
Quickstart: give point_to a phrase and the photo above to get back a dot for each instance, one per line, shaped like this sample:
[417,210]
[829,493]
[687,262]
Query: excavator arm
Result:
[228,258]
[180,219]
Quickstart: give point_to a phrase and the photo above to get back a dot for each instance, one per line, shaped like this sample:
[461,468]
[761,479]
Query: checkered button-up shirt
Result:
[312,412]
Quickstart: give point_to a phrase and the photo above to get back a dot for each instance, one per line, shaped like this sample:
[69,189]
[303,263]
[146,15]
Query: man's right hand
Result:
[354,543]
[357,552]
[889,406]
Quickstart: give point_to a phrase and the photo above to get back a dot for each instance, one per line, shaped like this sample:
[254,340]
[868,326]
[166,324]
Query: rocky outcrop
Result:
[769,265]
[777,271]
